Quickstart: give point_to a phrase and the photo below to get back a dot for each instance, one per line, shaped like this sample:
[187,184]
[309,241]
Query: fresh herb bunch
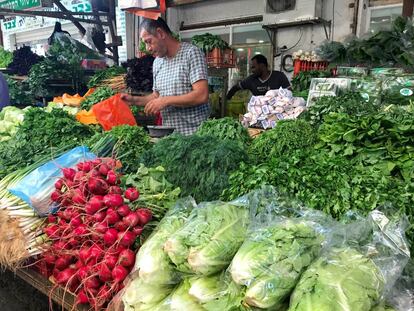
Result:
[287,137]
[225,128]
[6,57]
[139,74]
[49,69]
[102,75]
[23,60]
[68,50]
[132,142]
[199,165]
[100,94]
[301,82]
[19,92]
[208,42]
[350,103]
[41,133]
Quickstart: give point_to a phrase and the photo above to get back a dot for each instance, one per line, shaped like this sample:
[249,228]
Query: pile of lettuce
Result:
[10,118]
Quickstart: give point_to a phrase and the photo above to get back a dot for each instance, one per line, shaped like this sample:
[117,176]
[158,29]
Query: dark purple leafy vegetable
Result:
[23,60]
[139,74]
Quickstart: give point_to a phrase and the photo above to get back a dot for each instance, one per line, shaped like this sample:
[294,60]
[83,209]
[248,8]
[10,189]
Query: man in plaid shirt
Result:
[180,88]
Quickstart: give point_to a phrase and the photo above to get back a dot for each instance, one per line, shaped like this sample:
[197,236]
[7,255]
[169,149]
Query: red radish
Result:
[104,273]
[104,293]
[49,258]
[113,200]
[55,196]
[127,238]
[120,226]
[92,282]
[96,162]
[69,173]
[81,297]
[79,176]
[76,221]
[97,185]
[110,236]
[96,201]
[67,214]
[78,265]
[115,190]
[111,178]
[103,169]
[127,258]
[131,220]
[112,217]
[95,173]
[87,166]
[79,197]
[83,272]
[90,209]
[101,227]
[110,261]
[51,218]
[99,216]
[123,210]
[65,276]
[52,232]
[119,273]
[84,254]
[73,242]
[96,253]
[132,194]
[144,215]
[137,230]
[80,230]
[79,166]
[59,184]
[61,245]
[62,262]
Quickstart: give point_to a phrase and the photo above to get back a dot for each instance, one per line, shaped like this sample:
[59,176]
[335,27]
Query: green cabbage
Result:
[152,264]
[10,118]
[344,280]
[210,238]
[271,260]
[140,296]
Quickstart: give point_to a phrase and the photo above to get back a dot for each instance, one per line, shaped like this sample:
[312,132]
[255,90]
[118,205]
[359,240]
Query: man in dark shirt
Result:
[261,80]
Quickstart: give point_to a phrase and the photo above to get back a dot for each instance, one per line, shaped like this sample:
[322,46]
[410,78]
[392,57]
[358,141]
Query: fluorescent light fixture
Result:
[257,53]
[240,49]
[261,41]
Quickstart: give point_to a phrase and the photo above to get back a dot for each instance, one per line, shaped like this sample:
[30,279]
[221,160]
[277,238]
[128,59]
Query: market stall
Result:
[313,213]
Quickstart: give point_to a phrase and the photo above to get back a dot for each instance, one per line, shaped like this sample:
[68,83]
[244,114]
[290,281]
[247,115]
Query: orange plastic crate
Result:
[221,59]
[302,65]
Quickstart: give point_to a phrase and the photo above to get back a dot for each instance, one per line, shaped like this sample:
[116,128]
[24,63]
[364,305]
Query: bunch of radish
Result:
[93,233]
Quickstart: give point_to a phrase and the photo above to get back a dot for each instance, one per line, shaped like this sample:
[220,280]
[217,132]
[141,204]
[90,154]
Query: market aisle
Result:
[16,295]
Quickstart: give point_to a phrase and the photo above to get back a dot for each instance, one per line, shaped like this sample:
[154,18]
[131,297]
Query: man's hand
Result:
[156,105]
[133,100]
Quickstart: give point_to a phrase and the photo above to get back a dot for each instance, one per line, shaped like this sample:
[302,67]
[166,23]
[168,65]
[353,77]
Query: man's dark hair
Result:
[151,25]
[260,59]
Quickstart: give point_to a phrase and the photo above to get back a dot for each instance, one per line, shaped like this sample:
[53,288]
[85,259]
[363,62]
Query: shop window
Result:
[381,17]
[278,6]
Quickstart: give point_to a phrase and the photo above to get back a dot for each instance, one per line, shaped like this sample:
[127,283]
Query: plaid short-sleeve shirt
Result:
[174,77]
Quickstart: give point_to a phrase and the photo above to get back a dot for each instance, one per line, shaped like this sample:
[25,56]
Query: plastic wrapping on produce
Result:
[153,276]
[401,296]
[209,239]
[367,257]
[275,253]
[35,188]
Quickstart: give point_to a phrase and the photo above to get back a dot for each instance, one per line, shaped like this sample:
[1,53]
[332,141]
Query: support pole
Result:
[408,8]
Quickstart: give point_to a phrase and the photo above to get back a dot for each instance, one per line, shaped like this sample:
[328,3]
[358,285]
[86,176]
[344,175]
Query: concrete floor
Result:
[17,295]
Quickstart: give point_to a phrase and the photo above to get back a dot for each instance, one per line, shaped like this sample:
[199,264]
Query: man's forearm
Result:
[193,98]
[232,91]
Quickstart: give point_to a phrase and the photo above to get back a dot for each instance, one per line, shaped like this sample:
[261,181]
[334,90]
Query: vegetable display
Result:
[208,42]
[6,57]
[105,74]
[343,280]
[225,128]
[94,232]
[199,165]
[271,260]
[100,94]
[208,241]
[139,74]
[23,60]
[10,118]
[39,134]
